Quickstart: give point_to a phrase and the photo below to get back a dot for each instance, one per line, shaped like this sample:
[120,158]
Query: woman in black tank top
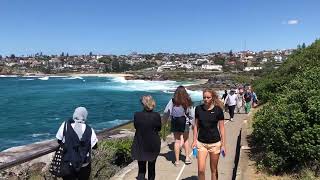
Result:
[207,138]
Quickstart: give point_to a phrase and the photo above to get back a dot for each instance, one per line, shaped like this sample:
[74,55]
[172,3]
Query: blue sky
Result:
[151,26]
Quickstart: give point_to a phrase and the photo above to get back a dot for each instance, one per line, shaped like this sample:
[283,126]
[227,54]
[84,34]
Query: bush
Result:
[287,130]
[110,157]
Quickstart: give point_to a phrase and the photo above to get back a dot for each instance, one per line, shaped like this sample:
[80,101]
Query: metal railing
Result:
[43,148]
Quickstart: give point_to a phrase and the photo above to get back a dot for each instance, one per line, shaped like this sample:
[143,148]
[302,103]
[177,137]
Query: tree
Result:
[299,46]
[115,65]
[0,57]
[303,45]
[90,54]
[230,53]
[62,54]
[12,56]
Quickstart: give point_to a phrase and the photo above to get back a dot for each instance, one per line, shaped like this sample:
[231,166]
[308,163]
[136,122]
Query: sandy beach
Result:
[99,75]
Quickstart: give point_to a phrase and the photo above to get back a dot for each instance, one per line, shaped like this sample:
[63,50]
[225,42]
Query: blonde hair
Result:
[215,98]
[148,102]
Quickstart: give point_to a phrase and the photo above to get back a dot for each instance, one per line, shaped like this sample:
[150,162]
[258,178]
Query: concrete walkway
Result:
[165,170]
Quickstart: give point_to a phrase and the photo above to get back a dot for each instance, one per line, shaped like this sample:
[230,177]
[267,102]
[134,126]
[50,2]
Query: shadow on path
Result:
[237,156]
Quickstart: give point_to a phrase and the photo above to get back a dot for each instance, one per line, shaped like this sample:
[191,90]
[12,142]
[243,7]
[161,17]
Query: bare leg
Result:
[214,159]
[186,145]
[177,139]
[202,156]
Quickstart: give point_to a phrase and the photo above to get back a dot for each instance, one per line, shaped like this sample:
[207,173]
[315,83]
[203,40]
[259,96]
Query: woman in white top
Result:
[81,135]
[179,109]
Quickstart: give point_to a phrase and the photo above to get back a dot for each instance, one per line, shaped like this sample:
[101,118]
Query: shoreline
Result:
[69,74]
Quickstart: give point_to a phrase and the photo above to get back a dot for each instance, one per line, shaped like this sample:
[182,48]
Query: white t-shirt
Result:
[59,134]
[231,100]
[190,110]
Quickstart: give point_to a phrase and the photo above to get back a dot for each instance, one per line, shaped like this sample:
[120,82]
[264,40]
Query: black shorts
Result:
[178,124]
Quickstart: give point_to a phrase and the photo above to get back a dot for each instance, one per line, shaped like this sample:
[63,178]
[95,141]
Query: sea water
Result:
[33,108]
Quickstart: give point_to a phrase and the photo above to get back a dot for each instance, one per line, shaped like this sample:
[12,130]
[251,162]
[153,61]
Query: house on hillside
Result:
[211,67]
[252,68]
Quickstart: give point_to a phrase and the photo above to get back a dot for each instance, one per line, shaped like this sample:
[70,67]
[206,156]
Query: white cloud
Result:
[292,22]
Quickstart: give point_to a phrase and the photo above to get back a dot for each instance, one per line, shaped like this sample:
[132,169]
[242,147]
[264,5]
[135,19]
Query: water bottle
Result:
[222,153]
[195,152]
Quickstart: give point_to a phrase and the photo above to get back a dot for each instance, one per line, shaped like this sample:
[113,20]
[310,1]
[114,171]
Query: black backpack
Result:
[77,151]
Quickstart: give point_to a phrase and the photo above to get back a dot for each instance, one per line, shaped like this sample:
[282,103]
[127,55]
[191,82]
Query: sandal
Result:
[176,163]
[188,161]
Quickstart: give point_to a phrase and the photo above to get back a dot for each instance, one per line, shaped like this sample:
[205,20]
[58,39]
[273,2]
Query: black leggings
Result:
[151,169]
[231,110]
[83,174]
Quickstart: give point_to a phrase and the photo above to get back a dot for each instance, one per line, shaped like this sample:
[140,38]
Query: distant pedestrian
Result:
[224,96]
[180,109]
[248,99]
[78,139]
[231,101]
[146,143]
[254,99]
[207,137]
[240,101]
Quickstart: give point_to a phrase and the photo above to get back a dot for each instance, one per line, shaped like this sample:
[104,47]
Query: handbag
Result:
[58,166]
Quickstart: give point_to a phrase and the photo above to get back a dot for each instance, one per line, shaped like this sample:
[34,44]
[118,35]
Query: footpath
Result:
[227,167]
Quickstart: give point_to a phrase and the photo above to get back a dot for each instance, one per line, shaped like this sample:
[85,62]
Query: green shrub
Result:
[110,157]
[286,131]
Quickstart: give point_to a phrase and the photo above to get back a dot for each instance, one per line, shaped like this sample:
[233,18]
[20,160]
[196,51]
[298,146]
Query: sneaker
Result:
[231,119]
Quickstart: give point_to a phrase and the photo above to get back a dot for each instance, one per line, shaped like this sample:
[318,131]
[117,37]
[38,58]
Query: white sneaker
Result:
[231,119]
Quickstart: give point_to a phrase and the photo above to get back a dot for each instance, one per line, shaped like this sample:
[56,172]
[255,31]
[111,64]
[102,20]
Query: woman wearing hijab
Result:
[146,144]
[78,139]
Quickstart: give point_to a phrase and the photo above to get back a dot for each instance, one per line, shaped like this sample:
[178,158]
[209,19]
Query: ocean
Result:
[33,108]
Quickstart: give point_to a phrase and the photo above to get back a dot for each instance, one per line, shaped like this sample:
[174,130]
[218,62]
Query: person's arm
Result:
[222,135]
[134,121]
[158,122]
[222,131]
[59,134]
[94,140]
[167,111]
[195,133]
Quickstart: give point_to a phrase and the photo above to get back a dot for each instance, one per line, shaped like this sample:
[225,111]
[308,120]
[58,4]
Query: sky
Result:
[152,26]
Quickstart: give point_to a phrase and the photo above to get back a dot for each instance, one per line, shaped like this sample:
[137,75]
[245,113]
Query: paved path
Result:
[165,170]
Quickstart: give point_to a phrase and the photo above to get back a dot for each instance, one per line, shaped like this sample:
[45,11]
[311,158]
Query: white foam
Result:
[28,79]
[73,77]
[8,76]
[45,78]
[40,134]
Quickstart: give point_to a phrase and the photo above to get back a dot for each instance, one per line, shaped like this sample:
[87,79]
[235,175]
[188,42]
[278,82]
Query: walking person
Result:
[206,136]
[254,99]
[248,99]
[179,109]
[231,101]
[240,100]
[224,96]
[146,144]
[78,139]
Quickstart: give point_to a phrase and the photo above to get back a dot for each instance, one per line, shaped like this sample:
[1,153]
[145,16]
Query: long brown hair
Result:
[215,98]
[182,98]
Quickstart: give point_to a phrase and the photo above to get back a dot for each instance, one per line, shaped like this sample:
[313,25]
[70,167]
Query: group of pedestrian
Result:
[206,120]
[239,99]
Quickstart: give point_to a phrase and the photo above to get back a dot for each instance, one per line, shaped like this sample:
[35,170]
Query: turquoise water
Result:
[32,109]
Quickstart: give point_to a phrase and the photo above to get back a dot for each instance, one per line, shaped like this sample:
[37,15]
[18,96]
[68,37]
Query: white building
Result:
[211,67]
[278,58]
[252,68]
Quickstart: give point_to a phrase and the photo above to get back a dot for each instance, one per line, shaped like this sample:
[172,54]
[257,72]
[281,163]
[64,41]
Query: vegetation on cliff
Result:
[286,135]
